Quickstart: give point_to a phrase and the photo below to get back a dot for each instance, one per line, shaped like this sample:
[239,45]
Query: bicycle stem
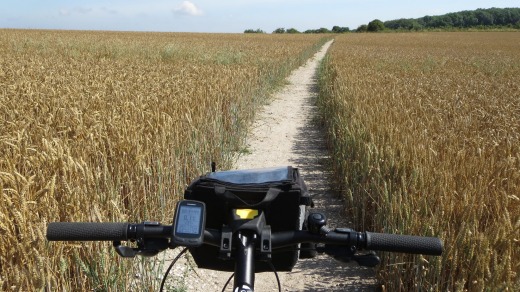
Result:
[245,262]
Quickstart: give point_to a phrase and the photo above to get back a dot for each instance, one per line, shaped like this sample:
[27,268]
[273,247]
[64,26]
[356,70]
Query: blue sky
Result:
[219,15]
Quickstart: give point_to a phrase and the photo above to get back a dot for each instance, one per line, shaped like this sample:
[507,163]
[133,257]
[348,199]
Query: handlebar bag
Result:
[279,192]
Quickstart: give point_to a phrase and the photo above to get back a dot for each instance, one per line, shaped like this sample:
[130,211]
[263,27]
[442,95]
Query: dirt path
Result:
[284,134]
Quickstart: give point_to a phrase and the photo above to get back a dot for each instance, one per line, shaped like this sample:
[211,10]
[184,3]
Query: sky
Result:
[227,16]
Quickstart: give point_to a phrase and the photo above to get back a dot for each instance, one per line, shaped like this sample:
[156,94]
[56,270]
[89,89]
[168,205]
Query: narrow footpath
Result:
[285,134]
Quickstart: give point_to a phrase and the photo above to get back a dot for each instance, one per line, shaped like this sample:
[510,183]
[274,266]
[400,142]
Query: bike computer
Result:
[189,223]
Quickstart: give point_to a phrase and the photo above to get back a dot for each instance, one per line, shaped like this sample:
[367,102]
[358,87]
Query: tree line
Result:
[335,29]
[480,18]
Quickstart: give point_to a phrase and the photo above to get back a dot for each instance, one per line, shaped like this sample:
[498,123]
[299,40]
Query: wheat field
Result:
[424,131]
[110,126]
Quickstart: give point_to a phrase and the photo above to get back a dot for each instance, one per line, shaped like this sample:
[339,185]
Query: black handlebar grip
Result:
[404,243]
[86,231]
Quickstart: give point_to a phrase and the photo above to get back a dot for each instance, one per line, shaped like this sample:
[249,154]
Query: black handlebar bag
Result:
[278,192]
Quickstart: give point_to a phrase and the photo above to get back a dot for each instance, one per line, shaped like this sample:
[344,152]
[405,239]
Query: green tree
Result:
[362,28]
[323,30]
[254,31]
[292,30]
[279,30]
[469,19]
[375,25]
[319,30]
[403,24]
[456,19]
[441,21]
[337,29]
[484,17]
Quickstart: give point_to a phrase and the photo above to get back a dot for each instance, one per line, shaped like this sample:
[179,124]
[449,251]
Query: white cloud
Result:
[188,8]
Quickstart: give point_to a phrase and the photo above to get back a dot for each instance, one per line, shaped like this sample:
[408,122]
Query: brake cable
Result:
[276,275]
[170,267]
[228,280]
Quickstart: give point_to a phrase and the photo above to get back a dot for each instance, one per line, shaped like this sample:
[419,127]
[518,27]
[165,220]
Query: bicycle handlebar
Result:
[403,243]
[83,231]
[86,231]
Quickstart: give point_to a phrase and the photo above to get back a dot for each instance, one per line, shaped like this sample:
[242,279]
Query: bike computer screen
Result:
[189,223]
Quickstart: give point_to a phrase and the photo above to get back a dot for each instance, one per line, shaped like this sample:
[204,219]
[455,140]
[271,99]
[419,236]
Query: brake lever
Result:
[369,259]
[346,255]
[148,248]
[125,251]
